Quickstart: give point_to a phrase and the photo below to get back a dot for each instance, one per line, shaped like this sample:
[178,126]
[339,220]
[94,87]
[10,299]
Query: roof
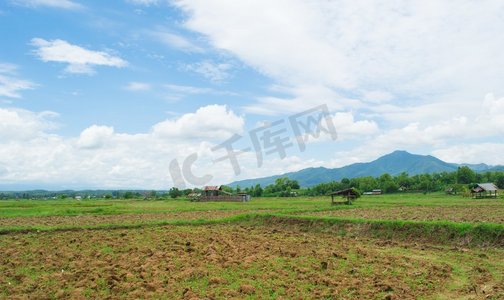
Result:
[489,187]
[344,192]
[211,188]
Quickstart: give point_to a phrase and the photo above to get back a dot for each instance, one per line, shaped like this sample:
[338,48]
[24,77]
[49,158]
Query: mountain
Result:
[393,164]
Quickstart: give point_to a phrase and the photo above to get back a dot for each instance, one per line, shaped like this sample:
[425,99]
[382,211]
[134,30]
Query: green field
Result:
[397,246]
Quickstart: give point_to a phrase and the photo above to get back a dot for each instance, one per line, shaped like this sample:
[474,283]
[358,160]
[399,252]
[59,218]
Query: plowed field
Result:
[238,261]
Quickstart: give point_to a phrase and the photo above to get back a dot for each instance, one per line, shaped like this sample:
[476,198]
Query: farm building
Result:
[216,193]
[348,194]
[484,190]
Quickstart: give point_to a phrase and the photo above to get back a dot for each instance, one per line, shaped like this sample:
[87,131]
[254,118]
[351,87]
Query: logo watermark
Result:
[268,139]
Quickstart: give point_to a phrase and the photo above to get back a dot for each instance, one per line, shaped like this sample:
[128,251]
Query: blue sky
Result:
[105,94]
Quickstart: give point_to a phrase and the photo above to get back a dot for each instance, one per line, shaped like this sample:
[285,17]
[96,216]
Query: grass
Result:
[34,208]
[441,256]
[263,210]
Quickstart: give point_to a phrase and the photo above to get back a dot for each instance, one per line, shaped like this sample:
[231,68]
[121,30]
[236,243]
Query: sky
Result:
[147,94]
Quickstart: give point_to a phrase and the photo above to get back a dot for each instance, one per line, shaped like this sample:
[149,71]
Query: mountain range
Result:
[393,163]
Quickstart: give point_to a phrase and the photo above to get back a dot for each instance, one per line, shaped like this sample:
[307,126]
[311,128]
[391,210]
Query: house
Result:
[350,194]
[217,193]
[484,190]
[376,192]
[213,191]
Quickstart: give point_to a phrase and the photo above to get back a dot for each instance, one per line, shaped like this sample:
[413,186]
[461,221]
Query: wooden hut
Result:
[484,190]
[347,194]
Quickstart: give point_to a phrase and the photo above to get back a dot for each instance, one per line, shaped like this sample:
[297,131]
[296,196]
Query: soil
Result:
[123,219]
[468,214]
[236,261]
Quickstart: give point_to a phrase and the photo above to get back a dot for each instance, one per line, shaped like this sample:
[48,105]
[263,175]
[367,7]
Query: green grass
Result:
[263,210]
[35,208]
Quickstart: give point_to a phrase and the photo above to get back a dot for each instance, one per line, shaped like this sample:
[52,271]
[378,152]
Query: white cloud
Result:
[64,4]
[9,84]
[95,137]
[490,153]
[407,53]
[417,68]
[138,86]
[478,129]
[212,122]
[302,97]
[79,60]
[19,124]
[215,72]
[102,158]
[347,127]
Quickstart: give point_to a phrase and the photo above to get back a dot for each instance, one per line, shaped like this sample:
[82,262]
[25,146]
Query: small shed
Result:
[349,194]
[244,197]
[484,190]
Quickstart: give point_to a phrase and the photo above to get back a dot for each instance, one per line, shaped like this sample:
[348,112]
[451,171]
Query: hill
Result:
[393,163]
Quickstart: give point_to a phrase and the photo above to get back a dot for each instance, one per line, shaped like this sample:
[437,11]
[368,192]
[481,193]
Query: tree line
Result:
[458,181]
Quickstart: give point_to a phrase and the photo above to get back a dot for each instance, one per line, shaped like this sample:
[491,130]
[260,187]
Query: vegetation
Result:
[402,246]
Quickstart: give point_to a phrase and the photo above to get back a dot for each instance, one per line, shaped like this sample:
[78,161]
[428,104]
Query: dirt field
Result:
[124,219]
[233,261]
[469,214]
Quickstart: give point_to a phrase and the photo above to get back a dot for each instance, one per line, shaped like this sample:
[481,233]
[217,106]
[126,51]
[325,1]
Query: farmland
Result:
[384,247]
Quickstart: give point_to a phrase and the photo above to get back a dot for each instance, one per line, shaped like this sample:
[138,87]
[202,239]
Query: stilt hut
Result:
[484,190]
[348,195]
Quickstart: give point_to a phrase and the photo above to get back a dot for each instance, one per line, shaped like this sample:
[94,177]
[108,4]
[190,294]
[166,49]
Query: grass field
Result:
[411,246]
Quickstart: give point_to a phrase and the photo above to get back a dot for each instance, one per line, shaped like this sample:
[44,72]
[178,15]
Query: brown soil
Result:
[89,220]
[233,261]
[472,214]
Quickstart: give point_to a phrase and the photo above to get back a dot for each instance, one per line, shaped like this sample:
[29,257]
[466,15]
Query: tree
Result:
[500,181]
[174,192]
[465,175]
[257,191]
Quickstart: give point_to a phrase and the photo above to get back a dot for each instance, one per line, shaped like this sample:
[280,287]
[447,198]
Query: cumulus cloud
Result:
[20,124]
[79,59]
[347,127]
[64,4]
[490,153]
[101,158]
[212,121]
[95,137]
